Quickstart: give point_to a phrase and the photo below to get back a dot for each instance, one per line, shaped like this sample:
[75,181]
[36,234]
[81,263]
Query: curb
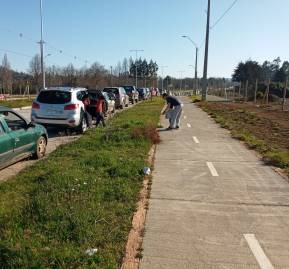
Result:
[22,108]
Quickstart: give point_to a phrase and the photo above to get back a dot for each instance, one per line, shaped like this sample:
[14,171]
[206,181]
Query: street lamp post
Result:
[163,67]
[42,46]
[196,59]
[136,52]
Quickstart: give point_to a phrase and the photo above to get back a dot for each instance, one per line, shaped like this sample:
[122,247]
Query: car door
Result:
[6,146]
[24,138]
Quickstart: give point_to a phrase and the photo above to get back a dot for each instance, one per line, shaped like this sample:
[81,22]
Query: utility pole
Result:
[205,74]
[255,93]
[284,95]
[42,46]
[136,53]
[111,76]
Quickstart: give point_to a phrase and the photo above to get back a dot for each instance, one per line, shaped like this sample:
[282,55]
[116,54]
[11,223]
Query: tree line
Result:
[95,76]
[275,71]
[266,78]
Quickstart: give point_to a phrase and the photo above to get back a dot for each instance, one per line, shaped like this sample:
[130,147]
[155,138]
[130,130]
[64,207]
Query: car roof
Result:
[4,108]
[65,89]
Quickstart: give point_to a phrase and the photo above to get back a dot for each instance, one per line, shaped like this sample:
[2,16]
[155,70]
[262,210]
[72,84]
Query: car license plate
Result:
[54,112]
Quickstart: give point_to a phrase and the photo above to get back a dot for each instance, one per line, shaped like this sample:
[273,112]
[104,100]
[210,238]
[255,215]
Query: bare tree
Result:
[6,75]
[35,70]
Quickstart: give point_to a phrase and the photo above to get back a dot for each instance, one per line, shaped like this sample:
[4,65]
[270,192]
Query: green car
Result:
[19,139]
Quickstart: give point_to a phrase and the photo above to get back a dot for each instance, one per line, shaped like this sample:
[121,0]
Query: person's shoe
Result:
[169,128]
[177,127]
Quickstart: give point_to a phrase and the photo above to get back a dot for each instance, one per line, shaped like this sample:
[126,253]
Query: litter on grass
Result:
[91,251]
[147,171]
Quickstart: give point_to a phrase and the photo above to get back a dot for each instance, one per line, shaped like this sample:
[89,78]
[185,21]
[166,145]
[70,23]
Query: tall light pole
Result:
[205,74]
[163,67]
[196,59]
[136,52]
[111,76]
[42,46]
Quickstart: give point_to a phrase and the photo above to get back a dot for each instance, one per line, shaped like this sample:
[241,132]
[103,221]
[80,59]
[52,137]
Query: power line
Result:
[28,38]
[224,14]
[22,54]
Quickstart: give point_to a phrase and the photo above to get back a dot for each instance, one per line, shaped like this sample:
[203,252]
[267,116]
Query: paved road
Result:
[213,203]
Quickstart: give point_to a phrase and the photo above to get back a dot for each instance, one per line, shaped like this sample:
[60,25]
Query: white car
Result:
[60,106]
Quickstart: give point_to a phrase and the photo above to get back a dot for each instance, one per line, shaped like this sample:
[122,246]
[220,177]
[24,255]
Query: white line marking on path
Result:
[258,252]
[212,169]
[189,125]
[196,140]
[185,117]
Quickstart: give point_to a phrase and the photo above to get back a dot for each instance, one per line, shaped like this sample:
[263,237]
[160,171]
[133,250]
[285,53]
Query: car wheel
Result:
[40,148]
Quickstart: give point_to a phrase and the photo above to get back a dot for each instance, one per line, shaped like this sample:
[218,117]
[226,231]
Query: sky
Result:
[106,30]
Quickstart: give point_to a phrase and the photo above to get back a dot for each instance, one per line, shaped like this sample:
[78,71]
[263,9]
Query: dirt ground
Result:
[265,122]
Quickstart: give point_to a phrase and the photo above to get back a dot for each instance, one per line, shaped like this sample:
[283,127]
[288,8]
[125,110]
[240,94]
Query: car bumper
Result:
[69,122]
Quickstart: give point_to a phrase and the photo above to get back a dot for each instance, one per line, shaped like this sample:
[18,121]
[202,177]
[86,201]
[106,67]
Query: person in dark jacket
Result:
[174,110]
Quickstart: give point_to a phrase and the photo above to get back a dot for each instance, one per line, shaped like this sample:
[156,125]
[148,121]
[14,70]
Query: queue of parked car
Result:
[64,107]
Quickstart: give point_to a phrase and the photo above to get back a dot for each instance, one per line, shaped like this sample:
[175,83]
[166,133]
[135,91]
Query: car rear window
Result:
[113,90]
[128,89]
[54,97]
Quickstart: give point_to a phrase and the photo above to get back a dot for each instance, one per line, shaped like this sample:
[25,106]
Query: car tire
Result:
[40,148]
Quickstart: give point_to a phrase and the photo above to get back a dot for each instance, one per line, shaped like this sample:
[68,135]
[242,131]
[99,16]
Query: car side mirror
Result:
[31,125]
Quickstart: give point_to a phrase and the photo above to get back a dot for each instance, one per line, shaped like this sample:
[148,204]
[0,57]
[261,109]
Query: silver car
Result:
[60,106]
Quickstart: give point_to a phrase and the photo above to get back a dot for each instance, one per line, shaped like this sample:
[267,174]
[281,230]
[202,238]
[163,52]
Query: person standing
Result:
[174,109]
[88,117]
[100,105]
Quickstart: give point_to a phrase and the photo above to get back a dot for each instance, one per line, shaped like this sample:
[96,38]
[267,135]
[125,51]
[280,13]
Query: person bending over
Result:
[174,109]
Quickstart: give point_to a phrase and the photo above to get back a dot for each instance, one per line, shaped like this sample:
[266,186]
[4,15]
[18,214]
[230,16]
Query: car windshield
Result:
[111,90]
[54,97]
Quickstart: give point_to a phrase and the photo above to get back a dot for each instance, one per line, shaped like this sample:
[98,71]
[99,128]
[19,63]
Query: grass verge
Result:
[196,98]
[82,196]
[16,103]
[247,126]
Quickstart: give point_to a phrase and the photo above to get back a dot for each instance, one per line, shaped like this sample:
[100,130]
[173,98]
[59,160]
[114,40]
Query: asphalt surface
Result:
[213,203]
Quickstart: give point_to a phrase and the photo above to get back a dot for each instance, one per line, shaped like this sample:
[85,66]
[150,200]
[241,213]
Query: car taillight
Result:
[71,107]
[35,105]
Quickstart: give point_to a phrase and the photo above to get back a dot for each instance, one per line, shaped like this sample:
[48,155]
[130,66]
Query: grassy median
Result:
[16,103]
[81,197]
[253,126]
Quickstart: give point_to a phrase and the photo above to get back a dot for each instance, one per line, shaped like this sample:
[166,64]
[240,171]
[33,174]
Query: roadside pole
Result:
[205,73]
[246,91]
[255,93]
[240,87]
[267,92]
[284,95]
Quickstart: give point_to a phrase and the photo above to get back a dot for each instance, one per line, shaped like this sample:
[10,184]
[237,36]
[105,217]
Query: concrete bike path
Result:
[213,203]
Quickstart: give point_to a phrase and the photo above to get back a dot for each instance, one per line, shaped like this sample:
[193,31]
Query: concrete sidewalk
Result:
[213,203]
